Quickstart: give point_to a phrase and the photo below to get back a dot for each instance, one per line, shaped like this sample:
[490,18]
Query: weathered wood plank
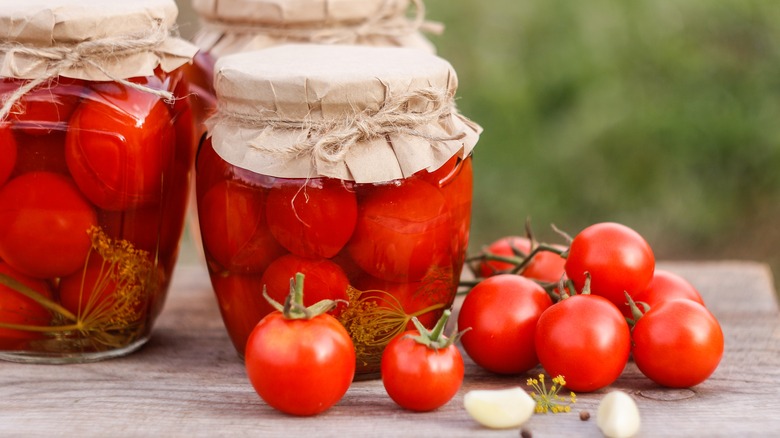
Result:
[188,381]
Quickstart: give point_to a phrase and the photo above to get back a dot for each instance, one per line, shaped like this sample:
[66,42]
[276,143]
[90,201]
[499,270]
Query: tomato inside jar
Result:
[388,251]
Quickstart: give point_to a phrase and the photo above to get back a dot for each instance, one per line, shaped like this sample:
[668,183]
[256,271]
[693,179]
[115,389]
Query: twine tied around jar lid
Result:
[93,40]
[365,114]
[330,140]
[382,23]
[63,57]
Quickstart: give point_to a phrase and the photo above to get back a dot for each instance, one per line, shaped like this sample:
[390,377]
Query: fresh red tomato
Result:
[241,304]
[297,365]
[325,280]
[48,107]
[234,229]
[94,290]
[617,258]
[43,225]
[665,286]
[8,151]
[403,228]
[500,314]
[312,218]
[505,247]
[421,369]
[677,343]
[119,147]
[585,339]
[16,308]
[545,266]
[425,299]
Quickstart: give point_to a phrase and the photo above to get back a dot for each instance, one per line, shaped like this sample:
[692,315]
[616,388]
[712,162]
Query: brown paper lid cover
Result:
[233,26]
[368,114]
[35,33]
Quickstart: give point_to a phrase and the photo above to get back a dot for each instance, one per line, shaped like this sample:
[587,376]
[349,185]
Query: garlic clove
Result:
[618,415]
[500,408]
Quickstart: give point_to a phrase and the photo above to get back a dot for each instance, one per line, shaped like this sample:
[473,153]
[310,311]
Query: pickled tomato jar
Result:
[96,151]
[235,26]
[349,164]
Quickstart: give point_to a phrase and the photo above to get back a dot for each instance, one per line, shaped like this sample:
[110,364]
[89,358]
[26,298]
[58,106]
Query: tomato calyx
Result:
[435,338]
[565,289]
[636,312]
[293,307]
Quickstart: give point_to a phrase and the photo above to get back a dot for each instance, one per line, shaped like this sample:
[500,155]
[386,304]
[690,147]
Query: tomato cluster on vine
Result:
[584,310]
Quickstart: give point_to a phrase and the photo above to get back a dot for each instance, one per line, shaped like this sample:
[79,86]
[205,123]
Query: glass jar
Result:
[94,180]
[377,219]
[236,26]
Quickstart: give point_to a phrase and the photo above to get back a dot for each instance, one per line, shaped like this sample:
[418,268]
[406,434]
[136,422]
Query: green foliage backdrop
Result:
[662,115]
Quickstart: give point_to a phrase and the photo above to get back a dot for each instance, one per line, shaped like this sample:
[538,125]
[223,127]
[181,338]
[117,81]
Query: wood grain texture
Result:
[188,381]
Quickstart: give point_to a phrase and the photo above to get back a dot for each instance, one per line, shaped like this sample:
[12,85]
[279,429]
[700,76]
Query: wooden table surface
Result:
[188,381]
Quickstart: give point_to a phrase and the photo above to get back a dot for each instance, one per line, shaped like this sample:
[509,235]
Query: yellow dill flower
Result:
[548,400]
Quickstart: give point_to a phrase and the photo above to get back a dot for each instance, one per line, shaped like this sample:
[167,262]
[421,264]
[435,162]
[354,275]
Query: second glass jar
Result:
[378,219]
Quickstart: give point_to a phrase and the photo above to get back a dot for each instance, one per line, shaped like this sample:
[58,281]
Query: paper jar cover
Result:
[366,114]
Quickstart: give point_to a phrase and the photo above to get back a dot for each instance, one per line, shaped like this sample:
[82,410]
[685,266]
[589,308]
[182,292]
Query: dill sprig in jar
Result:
[350,164]
[96,148]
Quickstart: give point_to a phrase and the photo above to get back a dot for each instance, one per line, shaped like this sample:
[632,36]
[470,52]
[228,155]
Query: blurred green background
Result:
[661,115]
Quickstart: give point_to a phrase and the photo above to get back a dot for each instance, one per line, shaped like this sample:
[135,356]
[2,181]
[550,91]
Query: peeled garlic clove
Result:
[500,408]
[618,415]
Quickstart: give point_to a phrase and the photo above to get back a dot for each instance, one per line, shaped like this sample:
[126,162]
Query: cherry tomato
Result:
[48,107]
[617,258]
[119,147]
[506,247]
[545,266]
[43,225]
[93,290]
[16,308]
[300,366]
[665,286]
[324,280]
[677,343]
[585,339]
[241,304]
[312,218]
[8,151]
[234,228]
[402,229]
[500,314]
[418,376]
